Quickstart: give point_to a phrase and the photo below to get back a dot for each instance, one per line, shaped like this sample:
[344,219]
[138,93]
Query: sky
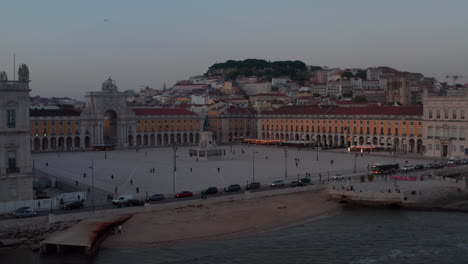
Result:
[71,47]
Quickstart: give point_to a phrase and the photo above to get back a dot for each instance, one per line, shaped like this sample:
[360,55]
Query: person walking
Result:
[119,230]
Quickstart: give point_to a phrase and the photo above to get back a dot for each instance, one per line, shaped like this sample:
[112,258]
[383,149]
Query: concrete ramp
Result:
[87,235]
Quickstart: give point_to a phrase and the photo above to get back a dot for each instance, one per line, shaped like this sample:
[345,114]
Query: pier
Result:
[86,236]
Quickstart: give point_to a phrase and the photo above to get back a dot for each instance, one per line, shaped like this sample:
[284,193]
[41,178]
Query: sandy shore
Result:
[220,219]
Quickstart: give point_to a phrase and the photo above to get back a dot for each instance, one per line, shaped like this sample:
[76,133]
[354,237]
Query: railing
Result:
[12,170]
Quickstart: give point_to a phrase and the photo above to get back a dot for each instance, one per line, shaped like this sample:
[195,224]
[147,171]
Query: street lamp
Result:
[355,157]
[174,148]
[316,150]
[285,163]
[253,162]
[92,183]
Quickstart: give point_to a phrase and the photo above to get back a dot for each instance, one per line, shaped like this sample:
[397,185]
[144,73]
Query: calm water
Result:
[357,236]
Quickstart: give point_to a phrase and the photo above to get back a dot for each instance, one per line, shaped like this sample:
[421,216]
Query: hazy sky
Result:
[70,49]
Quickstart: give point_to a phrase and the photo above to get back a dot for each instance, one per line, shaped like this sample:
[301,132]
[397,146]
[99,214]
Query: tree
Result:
[347,74]
[361,74]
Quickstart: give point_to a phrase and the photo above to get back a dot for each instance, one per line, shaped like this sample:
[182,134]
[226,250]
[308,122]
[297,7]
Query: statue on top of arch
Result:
[23,73]
[109,85]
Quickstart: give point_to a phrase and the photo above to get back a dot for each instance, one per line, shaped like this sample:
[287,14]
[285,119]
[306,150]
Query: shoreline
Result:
[221,220]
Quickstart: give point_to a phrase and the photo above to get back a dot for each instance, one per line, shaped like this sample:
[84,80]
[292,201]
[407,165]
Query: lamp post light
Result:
[355,158]
[92,183]
[285,163]
[174,148]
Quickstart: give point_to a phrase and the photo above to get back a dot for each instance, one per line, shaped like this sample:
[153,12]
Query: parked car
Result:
[297,183]
[24,212]
[253,185]
[443,164]
[210,190]
[156,197]
[305,180]
[132,202]
[408,168]
[436,166]
[73,205]
[429,165]
[232,188]
[337,177]
[184,194]
[419,167]
[122,199]
[277,183]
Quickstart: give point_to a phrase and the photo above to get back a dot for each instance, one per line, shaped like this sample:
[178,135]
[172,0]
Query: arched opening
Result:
[166,139]
[45,144]
[152,140]
[69,142]
[191,138]
[130,140]
[420,149]
[159,139]
[110,127]
[87,142]
[172,139]
[411,145]
[361,141]
[77,142]
[185,139]
[145,140]
[197,138]
[375,141]
[61,143]
[53,143]
[138,140]
[37,144]
[179,139]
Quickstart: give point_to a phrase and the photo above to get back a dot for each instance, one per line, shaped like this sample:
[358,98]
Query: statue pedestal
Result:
[206,148]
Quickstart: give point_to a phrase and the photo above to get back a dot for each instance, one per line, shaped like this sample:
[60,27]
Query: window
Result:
[437,147]
[13,190]
[429,132]
[429,147]
[454,114]
[462,133]
[446,114]
[11,160]
[437,134]
[438,113]
[446,131]
[462,149]
[462,114]
[454,132]
[11,118]
[454,148]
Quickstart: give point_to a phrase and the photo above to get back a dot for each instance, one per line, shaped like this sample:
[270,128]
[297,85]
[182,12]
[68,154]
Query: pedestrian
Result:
[266,157]
[115,190]
[84,174]
[131,182]
[89,190]
[79,197]
[47,164]
[112,176]
[76,183]
[39,204]
[218,170]
[190,170]
[137,190]
[154,170]
[119,230]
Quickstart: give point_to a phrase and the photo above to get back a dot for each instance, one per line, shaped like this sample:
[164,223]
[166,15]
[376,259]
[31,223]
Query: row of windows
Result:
[446,132]
[336,122]
[343,129]
[447,114]
[53,123]
[453,148]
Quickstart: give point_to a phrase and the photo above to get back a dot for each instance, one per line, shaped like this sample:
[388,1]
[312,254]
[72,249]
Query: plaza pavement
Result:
[132,169]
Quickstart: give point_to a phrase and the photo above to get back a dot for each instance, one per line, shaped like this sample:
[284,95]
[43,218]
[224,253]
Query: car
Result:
[305,180]
[73,205]
[183,194]
[122,199]
[408,168]
[429,165]
[419,166]
[337,177]
[24,212]
[297,183]
[232,188]
[156,197]
[252,185]
[277,183]
[210,190]
[436,166]
[443,164]
[132,202]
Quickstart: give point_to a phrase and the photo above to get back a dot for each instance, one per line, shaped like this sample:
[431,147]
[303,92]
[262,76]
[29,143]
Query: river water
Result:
[353,236]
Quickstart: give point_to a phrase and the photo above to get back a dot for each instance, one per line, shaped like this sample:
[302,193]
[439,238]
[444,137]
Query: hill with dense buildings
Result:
[297,70]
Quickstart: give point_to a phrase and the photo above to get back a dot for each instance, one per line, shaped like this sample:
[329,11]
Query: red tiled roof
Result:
[162,111]
[239,111]
[297,110]
[370,110]
[54,112]
[378,110]
[271,94]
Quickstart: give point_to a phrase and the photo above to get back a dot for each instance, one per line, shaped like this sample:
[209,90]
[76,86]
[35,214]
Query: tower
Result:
[15,149]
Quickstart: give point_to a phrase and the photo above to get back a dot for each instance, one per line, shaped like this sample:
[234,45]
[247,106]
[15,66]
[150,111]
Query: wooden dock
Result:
[87,235]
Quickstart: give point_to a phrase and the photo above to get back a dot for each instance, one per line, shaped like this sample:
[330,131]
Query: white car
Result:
[337,177]
[408,168]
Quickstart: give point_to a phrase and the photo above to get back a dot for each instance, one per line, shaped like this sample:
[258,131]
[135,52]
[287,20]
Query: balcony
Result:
[12,170]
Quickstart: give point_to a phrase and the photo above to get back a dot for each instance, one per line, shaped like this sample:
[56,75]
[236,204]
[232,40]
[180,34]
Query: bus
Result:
[382,168]
[103,147]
